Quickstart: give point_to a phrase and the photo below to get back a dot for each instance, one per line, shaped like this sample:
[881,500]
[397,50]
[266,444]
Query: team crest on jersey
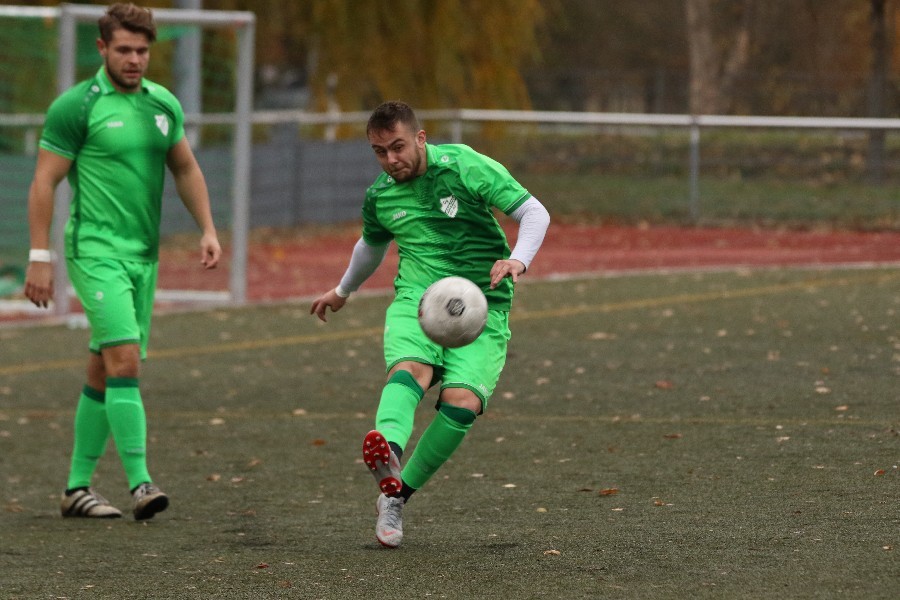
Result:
[450,206]
[162,123]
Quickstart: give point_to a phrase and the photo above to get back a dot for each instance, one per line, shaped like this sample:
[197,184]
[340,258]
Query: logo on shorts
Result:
[162,123]
[450,206]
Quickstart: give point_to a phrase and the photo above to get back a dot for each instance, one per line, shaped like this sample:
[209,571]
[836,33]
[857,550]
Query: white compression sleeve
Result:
[533,221]
[363,262]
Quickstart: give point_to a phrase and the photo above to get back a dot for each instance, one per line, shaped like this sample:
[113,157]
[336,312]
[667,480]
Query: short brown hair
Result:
[386,117]
[123,15]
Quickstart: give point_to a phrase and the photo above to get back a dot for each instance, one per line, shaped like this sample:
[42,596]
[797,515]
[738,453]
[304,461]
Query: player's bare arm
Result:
[191,186]
[50,170]
[329,299]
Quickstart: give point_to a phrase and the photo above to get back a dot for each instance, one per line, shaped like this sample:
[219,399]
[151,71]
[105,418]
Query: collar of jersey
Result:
[106,85]
[431,156]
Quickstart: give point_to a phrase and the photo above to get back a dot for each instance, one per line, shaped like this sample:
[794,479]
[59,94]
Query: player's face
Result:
[125,57]
[400,151]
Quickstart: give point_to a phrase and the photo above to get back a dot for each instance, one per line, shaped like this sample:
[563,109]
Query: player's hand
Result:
[329,299]
[39,283]
[212,251]
[506,268]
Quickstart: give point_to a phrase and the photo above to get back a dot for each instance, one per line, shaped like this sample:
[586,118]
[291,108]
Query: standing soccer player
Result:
[114,135]
[436,202]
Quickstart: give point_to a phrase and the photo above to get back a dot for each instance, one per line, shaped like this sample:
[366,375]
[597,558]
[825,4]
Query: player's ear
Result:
[420,138]
[101,46]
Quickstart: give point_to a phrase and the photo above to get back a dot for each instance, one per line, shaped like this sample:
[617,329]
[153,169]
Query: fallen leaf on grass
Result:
[663,384]
[262,566]
[602,335]
[879,472]
[673,436]
[609,492]
[552,553]
[318,442]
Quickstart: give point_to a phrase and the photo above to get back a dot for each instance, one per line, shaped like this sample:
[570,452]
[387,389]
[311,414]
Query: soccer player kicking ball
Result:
[114,135]
[436,203]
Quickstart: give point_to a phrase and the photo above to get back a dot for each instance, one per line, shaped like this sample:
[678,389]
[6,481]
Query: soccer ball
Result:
[453,312]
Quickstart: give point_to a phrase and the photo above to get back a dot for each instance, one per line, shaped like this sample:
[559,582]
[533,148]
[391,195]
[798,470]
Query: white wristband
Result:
[341,292]
[39,255]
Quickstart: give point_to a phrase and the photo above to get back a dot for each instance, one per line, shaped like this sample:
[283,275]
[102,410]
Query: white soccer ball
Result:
[453,312]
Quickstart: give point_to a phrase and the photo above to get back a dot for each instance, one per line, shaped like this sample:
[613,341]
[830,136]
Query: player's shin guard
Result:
[397,407]
[128,423]
[439,441]
[91,435]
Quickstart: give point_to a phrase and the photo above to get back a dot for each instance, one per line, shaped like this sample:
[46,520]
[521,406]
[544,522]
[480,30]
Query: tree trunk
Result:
[877,90]
[703,94]
[712,73]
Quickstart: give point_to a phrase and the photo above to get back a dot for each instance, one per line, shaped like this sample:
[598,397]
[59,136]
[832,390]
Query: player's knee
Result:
[462,398]
[458,414]
[122,361]
[406,379]
[418,372]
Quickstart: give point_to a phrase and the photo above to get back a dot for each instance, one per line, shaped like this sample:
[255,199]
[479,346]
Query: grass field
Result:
[705,435]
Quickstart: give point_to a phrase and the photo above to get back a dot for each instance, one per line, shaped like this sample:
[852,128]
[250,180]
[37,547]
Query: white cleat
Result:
[389,526]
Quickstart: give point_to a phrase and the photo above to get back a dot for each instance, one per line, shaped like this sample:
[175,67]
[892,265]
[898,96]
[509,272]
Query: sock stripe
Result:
[94,394]
[406,379]
[121,382]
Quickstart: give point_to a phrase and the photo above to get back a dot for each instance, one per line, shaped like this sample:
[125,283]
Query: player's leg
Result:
[409,357]
[125,409]
[469,378]
[91,426]
[383,447]
[146,498]
[91,435]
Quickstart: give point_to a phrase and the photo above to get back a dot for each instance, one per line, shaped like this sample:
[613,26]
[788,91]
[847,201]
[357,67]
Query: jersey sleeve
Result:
[493,182]
[65,127]
[373,232]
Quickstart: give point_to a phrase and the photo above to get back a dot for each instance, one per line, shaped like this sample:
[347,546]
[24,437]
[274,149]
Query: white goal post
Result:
[239,119]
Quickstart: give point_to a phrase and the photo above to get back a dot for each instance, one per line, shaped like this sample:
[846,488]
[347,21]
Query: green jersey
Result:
[118,144]
[443,220]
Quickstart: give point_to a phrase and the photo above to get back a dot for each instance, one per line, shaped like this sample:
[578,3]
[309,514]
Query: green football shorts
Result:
[117,297]
[475,367]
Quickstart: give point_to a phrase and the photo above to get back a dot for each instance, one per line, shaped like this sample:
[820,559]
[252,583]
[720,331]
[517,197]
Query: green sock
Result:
[442,437]
[397,407]
[129,427]
[91,435]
